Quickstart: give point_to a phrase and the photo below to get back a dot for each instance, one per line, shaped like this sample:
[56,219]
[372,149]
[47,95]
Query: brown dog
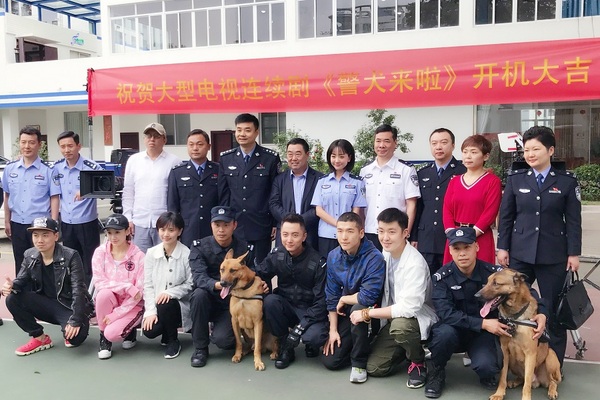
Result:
[246,308]
[532,363]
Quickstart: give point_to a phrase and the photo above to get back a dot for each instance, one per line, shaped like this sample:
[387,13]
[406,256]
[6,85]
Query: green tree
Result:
[364,138]
[43,150]
[316,160]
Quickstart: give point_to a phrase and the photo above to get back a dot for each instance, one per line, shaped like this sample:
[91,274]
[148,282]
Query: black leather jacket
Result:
[71,290]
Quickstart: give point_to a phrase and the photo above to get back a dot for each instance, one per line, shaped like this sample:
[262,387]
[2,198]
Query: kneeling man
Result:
[50,287]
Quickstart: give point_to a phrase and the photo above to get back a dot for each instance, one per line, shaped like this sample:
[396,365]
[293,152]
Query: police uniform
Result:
[428,228]
[193,196]
[459,327]
[79,218]
[299,297]
[336,197]
[540,227]
[246,187]
[29,191]
[387,186]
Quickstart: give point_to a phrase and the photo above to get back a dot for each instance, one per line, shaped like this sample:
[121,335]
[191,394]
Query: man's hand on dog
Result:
[334,337]
[495,327]
[540,320]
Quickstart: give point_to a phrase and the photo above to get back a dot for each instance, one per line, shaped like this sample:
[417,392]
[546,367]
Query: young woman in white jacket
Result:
[167,285]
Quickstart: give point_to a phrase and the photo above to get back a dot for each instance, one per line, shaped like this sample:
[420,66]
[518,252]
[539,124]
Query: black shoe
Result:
[173,349]
[130,340]
[105,348]
[287,356]
[490,383]
[310,351]
[1,322]
[417,375]
[199,358]
[436,379]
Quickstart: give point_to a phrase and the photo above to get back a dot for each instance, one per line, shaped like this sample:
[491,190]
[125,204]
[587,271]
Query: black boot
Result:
[436,379]
[286,356]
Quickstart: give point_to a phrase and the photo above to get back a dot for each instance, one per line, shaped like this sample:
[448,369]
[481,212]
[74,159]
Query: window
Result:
[173,24]
[77,122]
[396,15]
[574,8]
[177,127]
[271,123]
[321,18]
[501,11]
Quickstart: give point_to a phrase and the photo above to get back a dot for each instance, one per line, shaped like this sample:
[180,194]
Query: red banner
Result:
[492,74]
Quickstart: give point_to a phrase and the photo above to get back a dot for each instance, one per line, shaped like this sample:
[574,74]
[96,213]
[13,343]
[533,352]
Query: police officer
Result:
[428,230]
[31,190]
[460,326]
[540,224]
[79,216]
[245,179]
[206,304]
[298,302]
[193,188]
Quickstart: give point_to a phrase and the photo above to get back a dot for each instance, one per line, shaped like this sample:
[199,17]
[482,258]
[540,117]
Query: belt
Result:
[463,225]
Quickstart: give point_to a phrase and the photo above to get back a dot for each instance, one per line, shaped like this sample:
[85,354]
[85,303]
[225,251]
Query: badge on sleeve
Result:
[578,193]
[415,180]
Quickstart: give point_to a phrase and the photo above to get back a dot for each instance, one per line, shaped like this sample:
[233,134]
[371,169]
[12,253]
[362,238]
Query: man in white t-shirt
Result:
[145,186]
[389,182]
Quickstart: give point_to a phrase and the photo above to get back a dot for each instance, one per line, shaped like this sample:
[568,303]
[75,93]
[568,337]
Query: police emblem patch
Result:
[415,180]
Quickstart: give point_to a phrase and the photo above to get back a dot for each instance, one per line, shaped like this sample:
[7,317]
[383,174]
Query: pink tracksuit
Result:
[116,283]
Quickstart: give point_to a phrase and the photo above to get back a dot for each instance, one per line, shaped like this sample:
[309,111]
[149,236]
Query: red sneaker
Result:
[68,344]
[33,346]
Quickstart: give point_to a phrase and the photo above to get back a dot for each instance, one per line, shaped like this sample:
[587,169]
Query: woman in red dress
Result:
[473,199]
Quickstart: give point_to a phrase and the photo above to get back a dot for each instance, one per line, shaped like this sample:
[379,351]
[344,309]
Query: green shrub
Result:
[589,181]
[316,159]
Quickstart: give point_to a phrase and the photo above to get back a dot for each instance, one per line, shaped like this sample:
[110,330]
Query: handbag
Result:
[574,305]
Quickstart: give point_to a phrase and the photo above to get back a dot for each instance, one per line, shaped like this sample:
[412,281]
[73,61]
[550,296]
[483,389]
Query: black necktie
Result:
[246,159]
[440,172]
[200,171]
[540,180]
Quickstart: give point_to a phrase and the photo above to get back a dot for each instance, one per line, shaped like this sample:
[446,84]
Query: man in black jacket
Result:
[50,287]
[298,302]
[207,305]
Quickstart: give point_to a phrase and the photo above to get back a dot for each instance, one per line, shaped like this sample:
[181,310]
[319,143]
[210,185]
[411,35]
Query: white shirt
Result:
[412,289]
[388,186]
[145,187]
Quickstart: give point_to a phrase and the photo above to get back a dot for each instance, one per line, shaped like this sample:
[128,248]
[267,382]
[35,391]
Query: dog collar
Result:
[255,297]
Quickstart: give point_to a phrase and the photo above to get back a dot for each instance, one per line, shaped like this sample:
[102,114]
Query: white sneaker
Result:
[358,375]
[130,341]
[466,360]
[105,350]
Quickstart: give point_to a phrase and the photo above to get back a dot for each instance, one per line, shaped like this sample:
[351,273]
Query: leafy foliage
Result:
[16,153]
[589,181]
[316,159]
[364,138]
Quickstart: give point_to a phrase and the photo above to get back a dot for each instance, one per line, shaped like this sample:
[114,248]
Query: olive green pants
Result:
[398,340]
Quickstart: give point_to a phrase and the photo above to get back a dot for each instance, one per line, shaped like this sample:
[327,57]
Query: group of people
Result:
[372,269]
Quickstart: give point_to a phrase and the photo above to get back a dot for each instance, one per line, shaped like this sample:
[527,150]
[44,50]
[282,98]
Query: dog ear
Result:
[519,276]
[229,254]
[242,257]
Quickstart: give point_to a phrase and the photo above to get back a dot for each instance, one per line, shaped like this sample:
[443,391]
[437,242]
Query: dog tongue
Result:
[487,307]
[225,292]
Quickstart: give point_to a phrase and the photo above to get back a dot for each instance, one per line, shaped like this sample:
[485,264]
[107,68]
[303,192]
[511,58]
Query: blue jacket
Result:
[363,273]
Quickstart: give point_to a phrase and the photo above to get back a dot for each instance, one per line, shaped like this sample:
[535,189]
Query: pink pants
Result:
[106,302]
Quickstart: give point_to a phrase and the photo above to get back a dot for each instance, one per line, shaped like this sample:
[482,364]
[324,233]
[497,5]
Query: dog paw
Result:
[273,356]
[236,358]
[259,366]
[497,396]
[511,384]
[552,394]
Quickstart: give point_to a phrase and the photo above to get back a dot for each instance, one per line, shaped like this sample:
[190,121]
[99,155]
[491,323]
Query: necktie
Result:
[440,172]
[540,180]
[246,159]
[200,171]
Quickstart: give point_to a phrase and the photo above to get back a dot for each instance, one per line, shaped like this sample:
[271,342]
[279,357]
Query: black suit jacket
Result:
[428,228]
[540,225]
[282,203]
[193,197]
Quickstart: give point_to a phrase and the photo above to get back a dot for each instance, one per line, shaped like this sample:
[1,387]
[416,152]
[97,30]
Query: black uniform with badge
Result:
[193,196]
[540,227]
[428,229]
[299,298]
[246,187]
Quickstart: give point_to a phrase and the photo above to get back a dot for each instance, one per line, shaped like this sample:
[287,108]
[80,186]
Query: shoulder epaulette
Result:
[566,173]
[442,273]
[270,151]
[275,249]
[517,171]
[59,161]
[492,268]
[196,242]
[48,164]
[13,161]
[422,166]
[91,164]
[323,262]
[406,162]
[360,178]
[181,164]
[224,153]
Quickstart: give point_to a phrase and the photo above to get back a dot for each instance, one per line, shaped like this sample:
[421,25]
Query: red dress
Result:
[476,204]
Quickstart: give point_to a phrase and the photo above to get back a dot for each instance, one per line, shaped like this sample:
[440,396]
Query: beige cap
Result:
[156,127]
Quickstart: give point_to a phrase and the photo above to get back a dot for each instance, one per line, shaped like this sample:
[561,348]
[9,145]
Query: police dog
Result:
[532,363]
[246,308]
